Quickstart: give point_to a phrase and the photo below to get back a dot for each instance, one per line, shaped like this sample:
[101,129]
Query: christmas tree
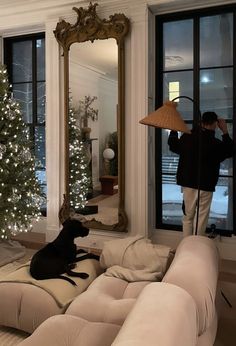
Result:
[20,193]
[79,179]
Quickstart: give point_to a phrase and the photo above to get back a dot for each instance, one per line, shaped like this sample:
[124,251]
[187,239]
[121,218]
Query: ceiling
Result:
[101,56]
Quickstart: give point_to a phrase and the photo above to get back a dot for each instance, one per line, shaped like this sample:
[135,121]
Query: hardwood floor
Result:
[226,333]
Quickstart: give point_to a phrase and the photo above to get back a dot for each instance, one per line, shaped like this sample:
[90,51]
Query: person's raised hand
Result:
[222,125]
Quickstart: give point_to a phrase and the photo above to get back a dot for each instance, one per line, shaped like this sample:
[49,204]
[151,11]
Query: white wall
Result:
[24,16]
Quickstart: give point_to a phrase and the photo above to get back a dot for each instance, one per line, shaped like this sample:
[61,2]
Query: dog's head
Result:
[75,228]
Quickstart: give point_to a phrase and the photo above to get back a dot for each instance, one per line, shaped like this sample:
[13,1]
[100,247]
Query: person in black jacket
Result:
[191,176]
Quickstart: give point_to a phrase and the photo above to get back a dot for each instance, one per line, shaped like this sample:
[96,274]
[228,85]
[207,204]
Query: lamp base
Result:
[213,232]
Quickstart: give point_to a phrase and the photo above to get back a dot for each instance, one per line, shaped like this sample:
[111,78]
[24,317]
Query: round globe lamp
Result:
[108,154]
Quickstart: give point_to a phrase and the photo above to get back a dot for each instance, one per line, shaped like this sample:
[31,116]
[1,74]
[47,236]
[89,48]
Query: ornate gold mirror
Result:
[94,116]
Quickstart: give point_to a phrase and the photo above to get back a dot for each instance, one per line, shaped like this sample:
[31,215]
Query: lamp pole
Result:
[199,157]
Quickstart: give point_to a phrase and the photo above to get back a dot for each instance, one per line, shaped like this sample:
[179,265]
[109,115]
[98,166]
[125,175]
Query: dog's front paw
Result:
[83,275]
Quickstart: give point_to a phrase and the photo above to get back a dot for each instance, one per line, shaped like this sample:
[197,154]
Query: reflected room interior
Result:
[93,93]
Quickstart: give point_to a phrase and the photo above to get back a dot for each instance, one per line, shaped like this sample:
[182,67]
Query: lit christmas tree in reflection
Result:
[79,178]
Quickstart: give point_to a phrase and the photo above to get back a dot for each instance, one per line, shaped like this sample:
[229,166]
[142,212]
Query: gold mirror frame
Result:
[90,27]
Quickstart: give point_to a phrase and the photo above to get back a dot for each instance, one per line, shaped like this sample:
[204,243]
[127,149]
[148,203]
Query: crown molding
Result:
[167,6]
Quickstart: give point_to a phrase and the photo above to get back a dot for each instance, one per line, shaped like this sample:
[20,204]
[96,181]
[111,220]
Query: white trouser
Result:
[190,201]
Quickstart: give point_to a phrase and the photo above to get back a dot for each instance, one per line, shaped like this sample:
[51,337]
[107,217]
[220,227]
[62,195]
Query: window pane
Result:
[171,194]
[41,175]
[40,146]
[216,37]
[169,160]
[172,204]
[184,81]
[23,94]
[22,61]
[169,168]
[178,52]
[216,91]
[221,213]
[41,102]
[165,146]
[226,167]
[40,46]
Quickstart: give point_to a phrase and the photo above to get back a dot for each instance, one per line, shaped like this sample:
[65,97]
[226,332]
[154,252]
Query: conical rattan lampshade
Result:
[166,117]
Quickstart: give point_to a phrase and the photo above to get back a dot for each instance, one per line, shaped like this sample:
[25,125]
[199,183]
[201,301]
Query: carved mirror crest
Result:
[94,116]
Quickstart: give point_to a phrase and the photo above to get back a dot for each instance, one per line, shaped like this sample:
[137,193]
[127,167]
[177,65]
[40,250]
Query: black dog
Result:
[59,256]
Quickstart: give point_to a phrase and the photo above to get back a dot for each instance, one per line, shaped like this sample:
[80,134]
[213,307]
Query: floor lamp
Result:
[167,117]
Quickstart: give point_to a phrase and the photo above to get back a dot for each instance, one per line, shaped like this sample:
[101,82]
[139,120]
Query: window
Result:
[24,57]
[196,57]
[173,90]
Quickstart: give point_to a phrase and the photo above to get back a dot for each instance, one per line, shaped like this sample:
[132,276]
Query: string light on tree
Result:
[79,181]
[20,192]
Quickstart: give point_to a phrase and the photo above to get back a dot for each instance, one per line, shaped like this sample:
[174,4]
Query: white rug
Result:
[10,251]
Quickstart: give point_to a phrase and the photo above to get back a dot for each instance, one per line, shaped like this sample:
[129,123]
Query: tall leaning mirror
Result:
[94,116]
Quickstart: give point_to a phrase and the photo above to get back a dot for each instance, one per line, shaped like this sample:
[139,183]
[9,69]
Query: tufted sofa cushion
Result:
[107,299]
[65,330]
[24,306]
[180,310]
[174,313]
[163,315]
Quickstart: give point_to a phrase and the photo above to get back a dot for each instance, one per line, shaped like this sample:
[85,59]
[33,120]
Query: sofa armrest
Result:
[195,269]
[163,315]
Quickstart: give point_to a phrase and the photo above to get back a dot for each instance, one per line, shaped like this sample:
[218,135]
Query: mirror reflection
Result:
[94,118]
[93,132]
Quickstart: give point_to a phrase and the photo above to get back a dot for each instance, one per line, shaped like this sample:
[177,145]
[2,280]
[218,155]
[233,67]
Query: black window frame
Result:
[160,20]
[8,61]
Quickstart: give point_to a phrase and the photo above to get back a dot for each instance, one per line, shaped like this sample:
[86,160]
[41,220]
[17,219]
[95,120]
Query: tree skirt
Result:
[10,251]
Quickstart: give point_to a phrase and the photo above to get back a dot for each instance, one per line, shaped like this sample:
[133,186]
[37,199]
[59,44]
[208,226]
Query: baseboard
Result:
[34,240]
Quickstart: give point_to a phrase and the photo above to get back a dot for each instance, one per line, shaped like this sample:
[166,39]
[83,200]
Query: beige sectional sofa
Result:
[25,302]
[180,310]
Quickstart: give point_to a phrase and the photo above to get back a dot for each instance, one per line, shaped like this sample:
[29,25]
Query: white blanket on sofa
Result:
[135,259]
[60,290]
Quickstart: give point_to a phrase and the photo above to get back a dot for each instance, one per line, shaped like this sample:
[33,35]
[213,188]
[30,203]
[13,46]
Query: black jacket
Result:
[213,152]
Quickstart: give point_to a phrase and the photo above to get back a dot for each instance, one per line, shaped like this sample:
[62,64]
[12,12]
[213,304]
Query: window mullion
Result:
[196,69]
[34,82]
[234,119]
